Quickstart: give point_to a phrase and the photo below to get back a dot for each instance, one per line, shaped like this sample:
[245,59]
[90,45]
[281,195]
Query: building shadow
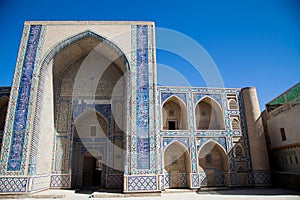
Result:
[251,191]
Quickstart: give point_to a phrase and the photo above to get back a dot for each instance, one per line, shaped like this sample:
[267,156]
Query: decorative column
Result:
[260,175]
[142,176]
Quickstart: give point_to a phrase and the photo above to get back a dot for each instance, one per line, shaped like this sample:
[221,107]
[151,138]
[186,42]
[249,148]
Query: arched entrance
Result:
[92,171]
[177,165]
[85,72]
[90,143]
[213,163]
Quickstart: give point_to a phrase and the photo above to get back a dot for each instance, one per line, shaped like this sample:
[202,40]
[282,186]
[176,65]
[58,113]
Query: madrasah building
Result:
[84,109]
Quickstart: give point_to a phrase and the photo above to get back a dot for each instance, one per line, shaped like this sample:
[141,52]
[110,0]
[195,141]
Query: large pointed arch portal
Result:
[83,72]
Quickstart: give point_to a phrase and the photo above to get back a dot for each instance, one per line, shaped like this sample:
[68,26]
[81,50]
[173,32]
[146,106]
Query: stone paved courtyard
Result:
[273,193]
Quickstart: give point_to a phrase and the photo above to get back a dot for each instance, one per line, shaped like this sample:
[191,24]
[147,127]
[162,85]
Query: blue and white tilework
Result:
[19,127]
[142,183]
[16,185]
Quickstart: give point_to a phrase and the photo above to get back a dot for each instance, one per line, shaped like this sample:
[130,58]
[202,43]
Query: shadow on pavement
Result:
[249,191]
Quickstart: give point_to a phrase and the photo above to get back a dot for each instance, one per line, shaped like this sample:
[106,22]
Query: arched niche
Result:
[213,161]
[174,114]
[82,70]
[177,164]
[209,115]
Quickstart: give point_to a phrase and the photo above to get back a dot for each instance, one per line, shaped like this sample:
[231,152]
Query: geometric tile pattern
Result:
[219,178]
[114,181]
[195,180]
[183,180]
[167,180]
[142,183]
[13,184]
[162,182]
[60,181]
[259,177]
[203,180]
[233,179]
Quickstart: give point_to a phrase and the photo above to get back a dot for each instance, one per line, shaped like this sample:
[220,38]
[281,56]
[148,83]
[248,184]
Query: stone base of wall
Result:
[286,179]
[22,185]
[141,183]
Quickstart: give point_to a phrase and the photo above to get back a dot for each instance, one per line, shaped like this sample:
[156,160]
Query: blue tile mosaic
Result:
[181,96]
[219,140]
[142,99]
[13,184]
[216,97]
[19,127]
[142,183]
[195,180]
[182,140]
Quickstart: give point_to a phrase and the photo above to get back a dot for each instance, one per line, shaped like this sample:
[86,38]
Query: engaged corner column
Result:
[256,135]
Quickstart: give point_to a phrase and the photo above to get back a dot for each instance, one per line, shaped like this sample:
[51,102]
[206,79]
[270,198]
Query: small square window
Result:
[93,131]
[283,136]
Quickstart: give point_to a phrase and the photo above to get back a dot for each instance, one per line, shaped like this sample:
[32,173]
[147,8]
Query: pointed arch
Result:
[235,124]
[213,143]
[71,40]
[209,114]
[213,161]
[178,143]
[232,104]
[177,164]
[67,52]
[174,114]
[239,151]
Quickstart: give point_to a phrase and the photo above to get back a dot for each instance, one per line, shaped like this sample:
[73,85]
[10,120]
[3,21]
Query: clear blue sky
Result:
[253,43]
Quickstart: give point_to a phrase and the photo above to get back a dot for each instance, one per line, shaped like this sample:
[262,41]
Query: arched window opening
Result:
[209,115]
[213,162]
[233,104]
[174,115]
[239,151]
[235,124]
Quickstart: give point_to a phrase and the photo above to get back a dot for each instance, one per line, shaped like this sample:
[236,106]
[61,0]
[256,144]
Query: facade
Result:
[281,120]
[85,110]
